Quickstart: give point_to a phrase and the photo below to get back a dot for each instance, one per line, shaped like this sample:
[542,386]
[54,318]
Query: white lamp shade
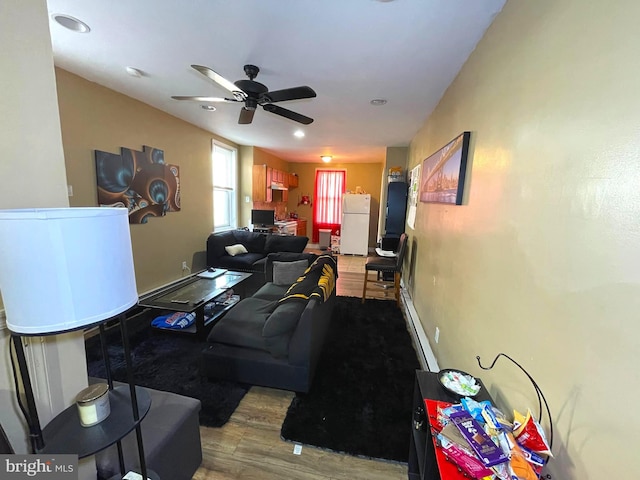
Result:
[65,268]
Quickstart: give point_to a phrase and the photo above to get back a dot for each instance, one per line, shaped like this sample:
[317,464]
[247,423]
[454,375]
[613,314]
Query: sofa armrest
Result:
[308,338]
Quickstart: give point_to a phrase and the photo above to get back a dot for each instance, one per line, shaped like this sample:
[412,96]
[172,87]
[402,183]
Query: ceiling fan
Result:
[252,94]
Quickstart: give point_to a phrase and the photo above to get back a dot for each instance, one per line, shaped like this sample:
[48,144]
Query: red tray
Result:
[448,470]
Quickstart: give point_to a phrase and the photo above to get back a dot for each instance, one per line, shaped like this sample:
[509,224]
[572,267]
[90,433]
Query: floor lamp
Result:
[65,269]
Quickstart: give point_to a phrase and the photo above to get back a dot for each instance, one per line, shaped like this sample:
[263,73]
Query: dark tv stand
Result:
[262,229]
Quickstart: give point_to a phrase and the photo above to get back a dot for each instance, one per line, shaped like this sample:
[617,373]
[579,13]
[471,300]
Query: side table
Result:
[64,434]
[422,464]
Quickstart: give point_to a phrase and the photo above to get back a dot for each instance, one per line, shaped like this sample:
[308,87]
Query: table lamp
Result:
[63,269]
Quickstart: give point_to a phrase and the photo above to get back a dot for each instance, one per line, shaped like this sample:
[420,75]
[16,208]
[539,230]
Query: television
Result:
[263,218]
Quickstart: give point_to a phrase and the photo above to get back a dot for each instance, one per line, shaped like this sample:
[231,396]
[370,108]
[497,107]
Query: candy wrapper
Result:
[468,464]
[486,450]
[529,433]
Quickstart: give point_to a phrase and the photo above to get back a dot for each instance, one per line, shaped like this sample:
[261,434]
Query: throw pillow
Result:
[236,249]
[285,273]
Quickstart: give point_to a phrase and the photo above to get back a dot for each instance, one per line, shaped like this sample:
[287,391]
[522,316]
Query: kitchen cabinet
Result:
[263,178]
[261,188]
[293,180]
[301,228]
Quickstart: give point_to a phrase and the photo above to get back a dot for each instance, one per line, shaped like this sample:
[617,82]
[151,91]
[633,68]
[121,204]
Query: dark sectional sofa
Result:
[258,246]
[275,337]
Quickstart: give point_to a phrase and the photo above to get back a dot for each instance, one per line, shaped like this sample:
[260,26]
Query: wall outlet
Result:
[436,337]
[184,266]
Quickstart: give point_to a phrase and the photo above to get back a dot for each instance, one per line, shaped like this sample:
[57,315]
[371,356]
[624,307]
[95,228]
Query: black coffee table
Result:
[190,294]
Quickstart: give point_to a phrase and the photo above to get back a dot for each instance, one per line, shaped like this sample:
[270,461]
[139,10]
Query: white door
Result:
[352,203]
[354,234]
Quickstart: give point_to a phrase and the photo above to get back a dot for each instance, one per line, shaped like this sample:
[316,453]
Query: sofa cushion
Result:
[242,325]
[236,249]
[279,326]
[285,257]
[285,273]
[285,243]
[253,241]
[271,291]
[244,261]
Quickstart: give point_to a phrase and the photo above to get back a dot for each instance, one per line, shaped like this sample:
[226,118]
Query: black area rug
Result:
[167,361]
[361,397]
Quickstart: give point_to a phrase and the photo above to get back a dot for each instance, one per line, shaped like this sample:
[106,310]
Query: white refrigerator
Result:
[354,234]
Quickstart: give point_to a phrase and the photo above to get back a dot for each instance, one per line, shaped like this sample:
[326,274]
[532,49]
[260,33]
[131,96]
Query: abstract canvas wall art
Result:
[141,181]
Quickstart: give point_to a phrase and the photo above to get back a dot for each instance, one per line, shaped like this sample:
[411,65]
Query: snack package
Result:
[486,450]
[468,464]
[519,466]
[529,433]
[445,413]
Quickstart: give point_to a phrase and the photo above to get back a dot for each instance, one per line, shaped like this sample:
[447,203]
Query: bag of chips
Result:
[529,433]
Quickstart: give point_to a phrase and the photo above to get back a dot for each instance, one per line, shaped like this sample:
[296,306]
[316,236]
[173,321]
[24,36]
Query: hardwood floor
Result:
[249,446]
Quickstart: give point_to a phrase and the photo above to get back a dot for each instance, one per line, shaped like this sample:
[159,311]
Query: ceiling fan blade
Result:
[294,93]
[246,116]
[203,99]
[220,80]
[283,112]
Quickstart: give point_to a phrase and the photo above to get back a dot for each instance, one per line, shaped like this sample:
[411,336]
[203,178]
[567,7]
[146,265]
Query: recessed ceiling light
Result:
[210,108]
[326,158]
[298,133]
[378,101]
[134,72]
[71,23]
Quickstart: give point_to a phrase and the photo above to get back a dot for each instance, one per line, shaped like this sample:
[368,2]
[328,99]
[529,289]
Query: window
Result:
[225,186]
[327,209]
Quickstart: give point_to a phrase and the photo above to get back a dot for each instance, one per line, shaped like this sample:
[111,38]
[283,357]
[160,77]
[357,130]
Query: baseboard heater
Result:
[425,354]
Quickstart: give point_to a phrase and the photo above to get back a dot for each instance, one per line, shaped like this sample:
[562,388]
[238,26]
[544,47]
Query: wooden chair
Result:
[382,265]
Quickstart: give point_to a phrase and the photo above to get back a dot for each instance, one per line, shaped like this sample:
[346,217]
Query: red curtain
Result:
[327,207]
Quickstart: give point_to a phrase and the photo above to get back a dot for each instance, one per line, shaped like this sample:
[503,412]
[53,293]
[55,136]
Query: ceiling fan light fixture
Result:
[71,23]
[326,158]
[209,108]
[298,133]
[377,102]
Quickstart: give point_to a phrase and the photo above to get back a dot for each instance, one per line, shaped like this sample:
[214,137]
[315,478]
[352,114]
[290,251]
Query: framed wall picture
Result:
[443,172]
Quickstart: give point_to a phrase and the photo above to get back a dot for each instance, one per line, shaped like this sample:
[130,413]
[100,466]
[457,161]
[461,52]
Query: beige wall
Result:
[262,157]
[33,173]
[96,118]
[366,175]
[542,260]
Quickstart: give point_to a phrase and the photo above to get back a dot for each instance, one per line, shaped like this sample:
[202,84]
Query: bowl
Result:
[459,383]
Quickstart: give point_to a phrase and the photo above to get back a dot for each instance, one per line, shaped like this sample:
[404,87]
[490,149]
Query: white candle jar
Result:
[93,404]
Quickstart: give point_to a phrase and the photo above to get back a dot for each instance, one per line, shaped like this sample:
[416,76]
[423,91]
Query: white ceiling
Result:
[348,51]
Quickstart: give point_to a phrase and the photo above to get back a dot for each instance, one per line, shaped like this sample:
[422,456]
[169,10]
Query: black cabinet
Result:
[422,458]
[396,208]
